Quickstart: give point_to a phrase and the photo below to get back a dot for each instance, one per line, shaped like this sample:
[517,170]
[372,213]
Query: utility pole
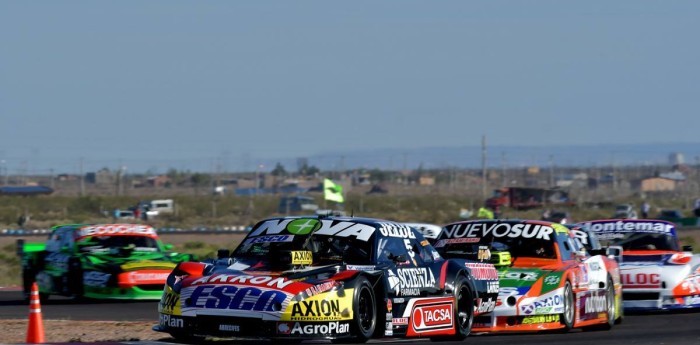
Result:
[551,171]
[82,178]
[484,180]
[503,169]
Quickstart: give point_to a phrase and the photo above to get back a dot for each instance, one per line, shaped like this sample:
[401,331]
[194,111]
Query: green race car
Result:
[120,261]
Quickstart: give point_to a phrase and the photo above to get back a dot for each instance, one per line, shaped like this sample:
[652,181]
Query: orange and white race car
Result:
[547,281]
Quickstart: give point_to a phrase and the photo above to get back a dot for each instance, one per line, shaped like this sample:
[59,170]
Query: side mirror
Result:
[615,253]
[688,248]
[223,253]
[168,246]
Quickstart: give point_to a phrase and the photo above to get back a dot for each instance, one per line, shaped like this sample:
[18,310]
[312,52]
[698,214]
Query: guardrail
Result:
[164,230]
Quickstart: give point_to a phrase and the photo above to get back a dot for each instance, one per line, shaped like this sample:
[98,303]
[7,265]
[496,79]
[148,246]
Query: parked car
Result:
[296,278]
[657,273]
[547,281]
[119,261]
[625,211]
[670,215]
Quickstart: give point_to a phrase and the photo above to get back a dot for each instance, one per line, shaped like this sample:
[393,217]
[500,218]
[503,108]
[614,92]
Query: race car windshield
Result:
[641,241]
[112,244]
[325,250]
[517,247]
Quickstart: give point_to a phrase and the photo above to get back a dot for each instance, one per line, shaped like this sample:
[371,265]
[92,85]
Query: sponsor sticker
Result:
[302,257]
[409,281]
[171,321]
[641,280]
[484,253]
[298,328]
[537,319]
[169,302]
[96,279]
[630,226]
[400,321]
[229,328]
[480,230]
[482,271]
[429,317]
[316,310]
[235,297]
[362,232]
[116,229]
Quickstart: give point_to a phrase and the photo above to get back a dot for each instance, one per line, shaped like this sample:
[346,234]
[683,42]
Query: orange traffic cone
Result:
[35,331]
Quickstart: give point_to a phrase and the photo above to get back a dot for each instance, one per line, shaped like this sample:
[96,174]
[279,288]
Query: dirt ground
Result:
[60,331]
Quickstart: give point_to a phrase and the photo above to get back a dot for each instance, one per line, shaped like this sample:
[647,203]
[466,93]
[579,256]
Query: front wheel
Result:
[610,307]
[463,310]
[364,306]
[567,319]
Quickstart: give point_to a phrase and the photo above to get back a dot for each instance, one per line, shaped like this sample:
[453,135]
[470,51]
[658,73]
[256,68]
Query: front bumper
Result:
[656,301]
[243,327]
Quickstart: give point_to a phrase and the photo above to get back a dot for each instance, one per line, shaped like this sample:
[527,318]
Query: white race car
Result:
[656,272]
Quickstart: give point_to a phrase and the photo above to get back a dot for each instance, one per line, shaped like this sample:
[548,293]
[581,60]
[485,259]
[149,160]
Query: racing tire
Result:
[364,312]
[75,279]
[28,278]
[567,318]
[610,307]
[463,311]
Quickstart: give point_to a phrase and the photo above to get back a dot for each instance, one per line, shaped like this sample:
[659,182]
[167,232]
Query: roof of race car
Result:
[361,228]
[630,226]
[478,229]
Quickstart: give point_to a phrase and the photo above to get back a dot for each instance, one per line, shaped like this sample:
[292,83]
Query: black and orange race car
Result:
[327,278]
[548,280]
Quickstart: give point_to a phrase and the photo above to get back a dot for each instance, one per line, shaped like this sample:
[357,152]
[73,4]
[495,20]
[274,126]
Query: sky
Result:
[192,85]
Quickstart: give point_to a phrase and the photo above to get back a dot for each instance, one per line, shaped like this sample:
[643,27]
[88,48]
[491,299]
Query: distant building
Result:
[158,181]
[657,184]
[426,181]
[676,158]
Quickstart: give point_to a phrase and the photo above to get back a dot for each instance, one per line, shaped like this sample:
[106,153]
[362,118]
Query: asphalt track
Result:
[677,328]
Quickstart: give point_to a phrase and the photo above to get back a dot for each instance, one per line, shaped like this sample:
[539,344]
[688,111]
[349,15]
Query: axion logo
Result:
[316,310]
[434,316]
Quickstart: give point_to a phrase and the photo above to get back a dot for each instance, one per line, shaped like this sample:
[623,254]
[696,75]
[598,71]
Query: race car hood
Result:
[264,295]
[520,278]
[133,261]
[652,271]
